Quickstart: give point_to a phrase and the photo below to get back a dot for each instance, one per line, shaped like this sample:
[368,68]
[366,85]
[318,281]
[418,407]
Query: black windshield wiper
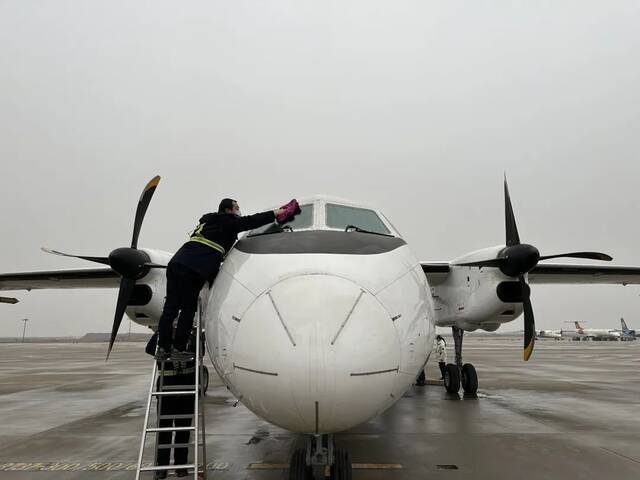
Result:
[273,228]
[353,228]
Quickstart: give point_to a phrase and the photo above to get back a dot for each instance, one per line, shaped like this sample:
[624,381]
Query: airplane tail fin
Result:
[578,327]
[623,324]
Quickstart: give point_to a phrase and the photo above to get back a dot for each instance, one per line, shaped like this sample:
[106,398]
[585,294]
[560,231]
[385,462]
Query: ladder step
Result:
[166,388]
[179,392]
[185,416]
[171,429]
[177,445]
[168,467]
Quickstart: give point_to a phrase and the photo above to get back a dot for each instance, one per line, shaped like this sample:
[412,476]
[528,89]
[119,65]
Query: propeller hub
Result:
[129,262]
[519,259]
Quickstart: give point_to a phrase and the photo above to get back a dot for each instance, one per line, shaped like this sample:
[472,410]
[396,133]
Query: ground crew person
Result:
[440,350]
[197,262]
[175,373]
[441,354]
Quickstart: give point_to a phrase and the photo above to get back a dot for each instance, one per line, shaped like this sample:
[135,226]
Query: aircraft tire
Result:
[452,378]
[298,468]
[469,378]
[342,468]
[205,379]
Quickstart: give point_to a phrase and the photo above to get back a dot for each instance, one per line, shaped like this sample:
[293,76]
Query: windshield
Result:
[303,220]
[341,216]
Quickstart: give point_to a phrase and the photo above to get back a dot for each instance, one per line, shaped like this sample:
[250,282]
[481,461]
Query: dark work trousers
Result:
[175,405]
[183,289]
[442,369]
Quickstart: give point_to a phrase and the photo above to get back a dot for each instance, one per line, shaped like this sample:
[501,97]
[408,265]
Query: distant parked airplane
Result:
[557,334]
[592,333]
[625,332]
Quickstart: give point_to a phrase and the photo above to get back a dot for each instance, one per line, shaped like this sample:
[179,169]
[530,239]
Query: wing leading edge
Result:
[80,278]
[556,273]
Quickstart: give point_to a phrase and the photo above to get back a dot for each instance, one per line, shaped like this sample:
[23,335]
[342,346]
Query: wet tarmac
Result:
[573,411]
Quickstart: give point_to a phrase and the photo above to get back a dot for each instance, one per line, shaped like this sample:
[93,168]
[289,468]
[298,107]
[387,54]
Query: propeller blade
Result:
[124,293]
[509,218]
[103,260]
[529,323]
[590,255]
[143,203]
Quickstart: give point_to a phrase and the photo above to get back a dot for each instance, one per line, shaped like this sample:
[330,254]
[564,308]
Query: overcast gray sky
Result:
[414,107]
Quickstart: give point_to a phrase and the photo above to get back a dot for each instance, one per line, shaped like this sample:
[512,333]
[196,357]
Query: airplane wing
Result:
[81,278]
[556,273]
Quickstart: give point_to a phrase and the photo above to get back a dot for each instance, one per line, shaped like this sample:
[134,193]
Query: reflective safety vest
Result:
[197,236]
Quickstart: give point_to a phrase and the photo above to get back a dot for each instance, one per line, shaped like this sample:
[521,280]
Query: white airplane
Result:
[556,334]
[594,333]
[322,324]
[625,332]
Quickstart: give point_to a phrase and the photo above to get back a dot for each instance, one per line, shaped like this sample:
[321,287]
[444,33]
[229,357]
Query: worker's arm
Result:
[250,222]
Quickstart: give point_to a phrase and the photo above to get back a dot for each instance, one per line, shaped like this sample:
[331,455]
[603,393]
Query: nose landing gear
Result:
[459,373]
[320,454]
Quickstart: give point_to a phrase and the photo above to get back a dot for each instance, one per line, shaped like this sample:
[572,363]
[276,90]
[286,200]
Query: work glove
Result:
[290,210]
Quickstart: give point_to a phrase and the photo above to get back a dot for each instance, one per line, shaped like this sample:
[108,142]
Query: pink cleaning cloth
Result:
[290,209]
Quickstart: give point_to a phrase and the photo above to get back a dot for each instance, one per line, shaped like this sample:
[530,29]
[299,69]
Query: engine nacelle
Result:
[473,298]
[147,300]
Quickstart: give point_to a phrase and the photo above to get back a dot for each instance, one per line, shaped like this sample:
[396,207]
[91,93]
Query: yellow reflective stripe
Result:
[209,243]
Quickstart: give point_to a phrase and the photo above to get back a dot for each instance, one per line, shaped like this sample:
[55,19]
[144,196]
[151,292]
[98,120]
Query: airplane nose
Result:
[316,354]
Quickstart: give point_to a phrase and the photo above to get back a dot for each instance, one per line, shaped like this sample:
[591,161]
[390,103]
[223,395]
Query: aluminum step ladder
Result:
[197,441]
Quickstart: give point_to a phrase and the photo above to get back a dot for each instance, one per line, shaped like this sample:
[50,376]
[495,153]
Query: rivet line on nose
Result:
[284,325]
[348,316]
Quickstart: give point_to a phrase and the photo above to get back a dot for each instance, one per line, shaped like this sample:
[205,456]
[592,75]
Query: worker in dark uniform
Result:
[198,261]
[184,375]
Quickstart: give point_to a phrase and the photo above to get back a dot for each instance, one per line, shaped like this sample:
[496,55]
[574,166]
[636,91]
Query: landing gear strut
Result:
[320,453]
[458,373]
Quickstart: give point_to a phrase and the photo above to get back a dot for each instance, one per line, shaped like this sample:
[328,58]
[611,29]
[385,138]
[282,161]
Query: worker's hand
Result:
[288,211]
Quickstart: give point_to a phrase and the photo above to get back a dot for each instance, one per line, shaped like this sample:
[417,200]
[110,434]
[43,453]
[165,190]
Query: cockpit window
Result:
[341,216]
[300,221]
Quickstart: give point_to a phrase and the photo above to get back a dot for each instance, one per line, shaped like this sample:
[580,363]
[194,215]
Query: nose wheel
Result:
[205,379]
[341,468]
[298,469]
[320,454]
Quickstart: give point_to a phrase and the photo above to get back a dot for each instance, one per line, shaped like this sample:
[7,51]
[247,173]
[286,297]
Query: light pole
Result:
[24,329]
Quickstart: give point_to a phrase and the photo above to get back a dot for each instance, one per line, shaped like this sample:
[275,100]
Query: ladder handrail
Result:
[197,391]
[146,419]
